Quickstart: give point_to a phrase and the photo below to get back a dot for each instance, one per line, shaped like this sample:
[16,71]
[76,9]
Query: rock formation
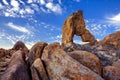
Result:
[75,25]
[87,59]
[36,51]
[19,45]
[116,63]
[99,61]
[111,73]
[61,66]
[38,71]
[5,59]
[2,52]
[112,39]
[17,69]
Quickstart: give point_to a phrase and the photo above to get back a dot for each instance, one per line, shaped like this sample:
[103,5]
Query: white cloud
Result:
[29,10]
[19,8]
[54,7]
[35,7]
[97,28]
[12,39]
[14,3]
[59,36]
[22,11]
[30,1]
[18,28]
[7,14]
[5,2]
[114,20]
[42,2]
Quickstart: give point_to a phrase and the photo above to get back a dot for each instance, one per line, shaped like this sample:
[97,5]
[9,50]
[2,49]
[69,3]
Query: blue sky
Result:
[31,21]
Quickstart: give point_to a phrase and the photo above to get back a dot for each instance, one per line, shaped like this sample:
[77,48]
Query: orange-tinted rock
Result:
[87,59]
[116,63]
[60,66]
[17,69]
[88,37]
[113,39]
[75,25]
[36,51]
[38,71]
[111,73]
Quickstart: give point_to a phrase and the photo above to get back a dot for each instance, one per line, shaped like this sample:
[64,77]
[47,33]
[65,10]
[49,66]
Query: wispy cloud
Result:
[54,7]
[5,2]
[24,9]
[18,28]
[20,8]
[114,20]
[42,2]
[8,40]
[99,28]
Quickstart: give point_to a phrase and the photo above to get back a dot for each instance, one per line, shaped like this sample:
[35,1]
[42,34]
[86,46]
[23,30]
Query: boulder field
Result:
[96,60]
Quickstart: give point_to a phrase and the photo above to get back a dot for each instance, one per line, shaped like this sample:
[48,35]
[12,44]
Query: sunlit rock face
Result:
[75,25]
[60,66]
[112,39]
[99,61]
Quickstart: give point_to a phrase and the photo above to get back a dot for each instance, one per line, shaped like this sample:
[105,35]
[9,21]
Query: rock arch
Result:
[75,25]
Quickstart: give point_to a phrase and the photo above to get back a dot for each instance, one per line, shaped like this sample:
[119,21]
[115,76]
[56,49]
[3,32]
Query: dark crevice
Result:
[29,70]
[45,70]
[40,77]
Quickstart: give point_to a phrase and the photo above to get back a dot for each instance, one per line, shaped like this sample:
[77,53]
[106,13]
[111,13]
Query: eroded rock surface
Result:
[111,73]
[87,59]
[19,45]
[75,25]
[113,39]
[36,51]
[60,66]
[116,63]
[38,71]
[69,61]
[17,69]
[5,56]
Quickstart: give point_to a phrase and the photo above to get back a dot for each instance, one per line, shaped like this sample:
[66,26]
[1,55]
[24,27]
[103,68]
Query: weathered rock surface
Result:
[87,59]
[60,66]
[116,63]
[36,51]
[111,73]
[88,37]
[2,52]
[67,62]
[5,59]
[106,53]
[113,39]
[38,71]
[75,25]
[17,69]
[19,45]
